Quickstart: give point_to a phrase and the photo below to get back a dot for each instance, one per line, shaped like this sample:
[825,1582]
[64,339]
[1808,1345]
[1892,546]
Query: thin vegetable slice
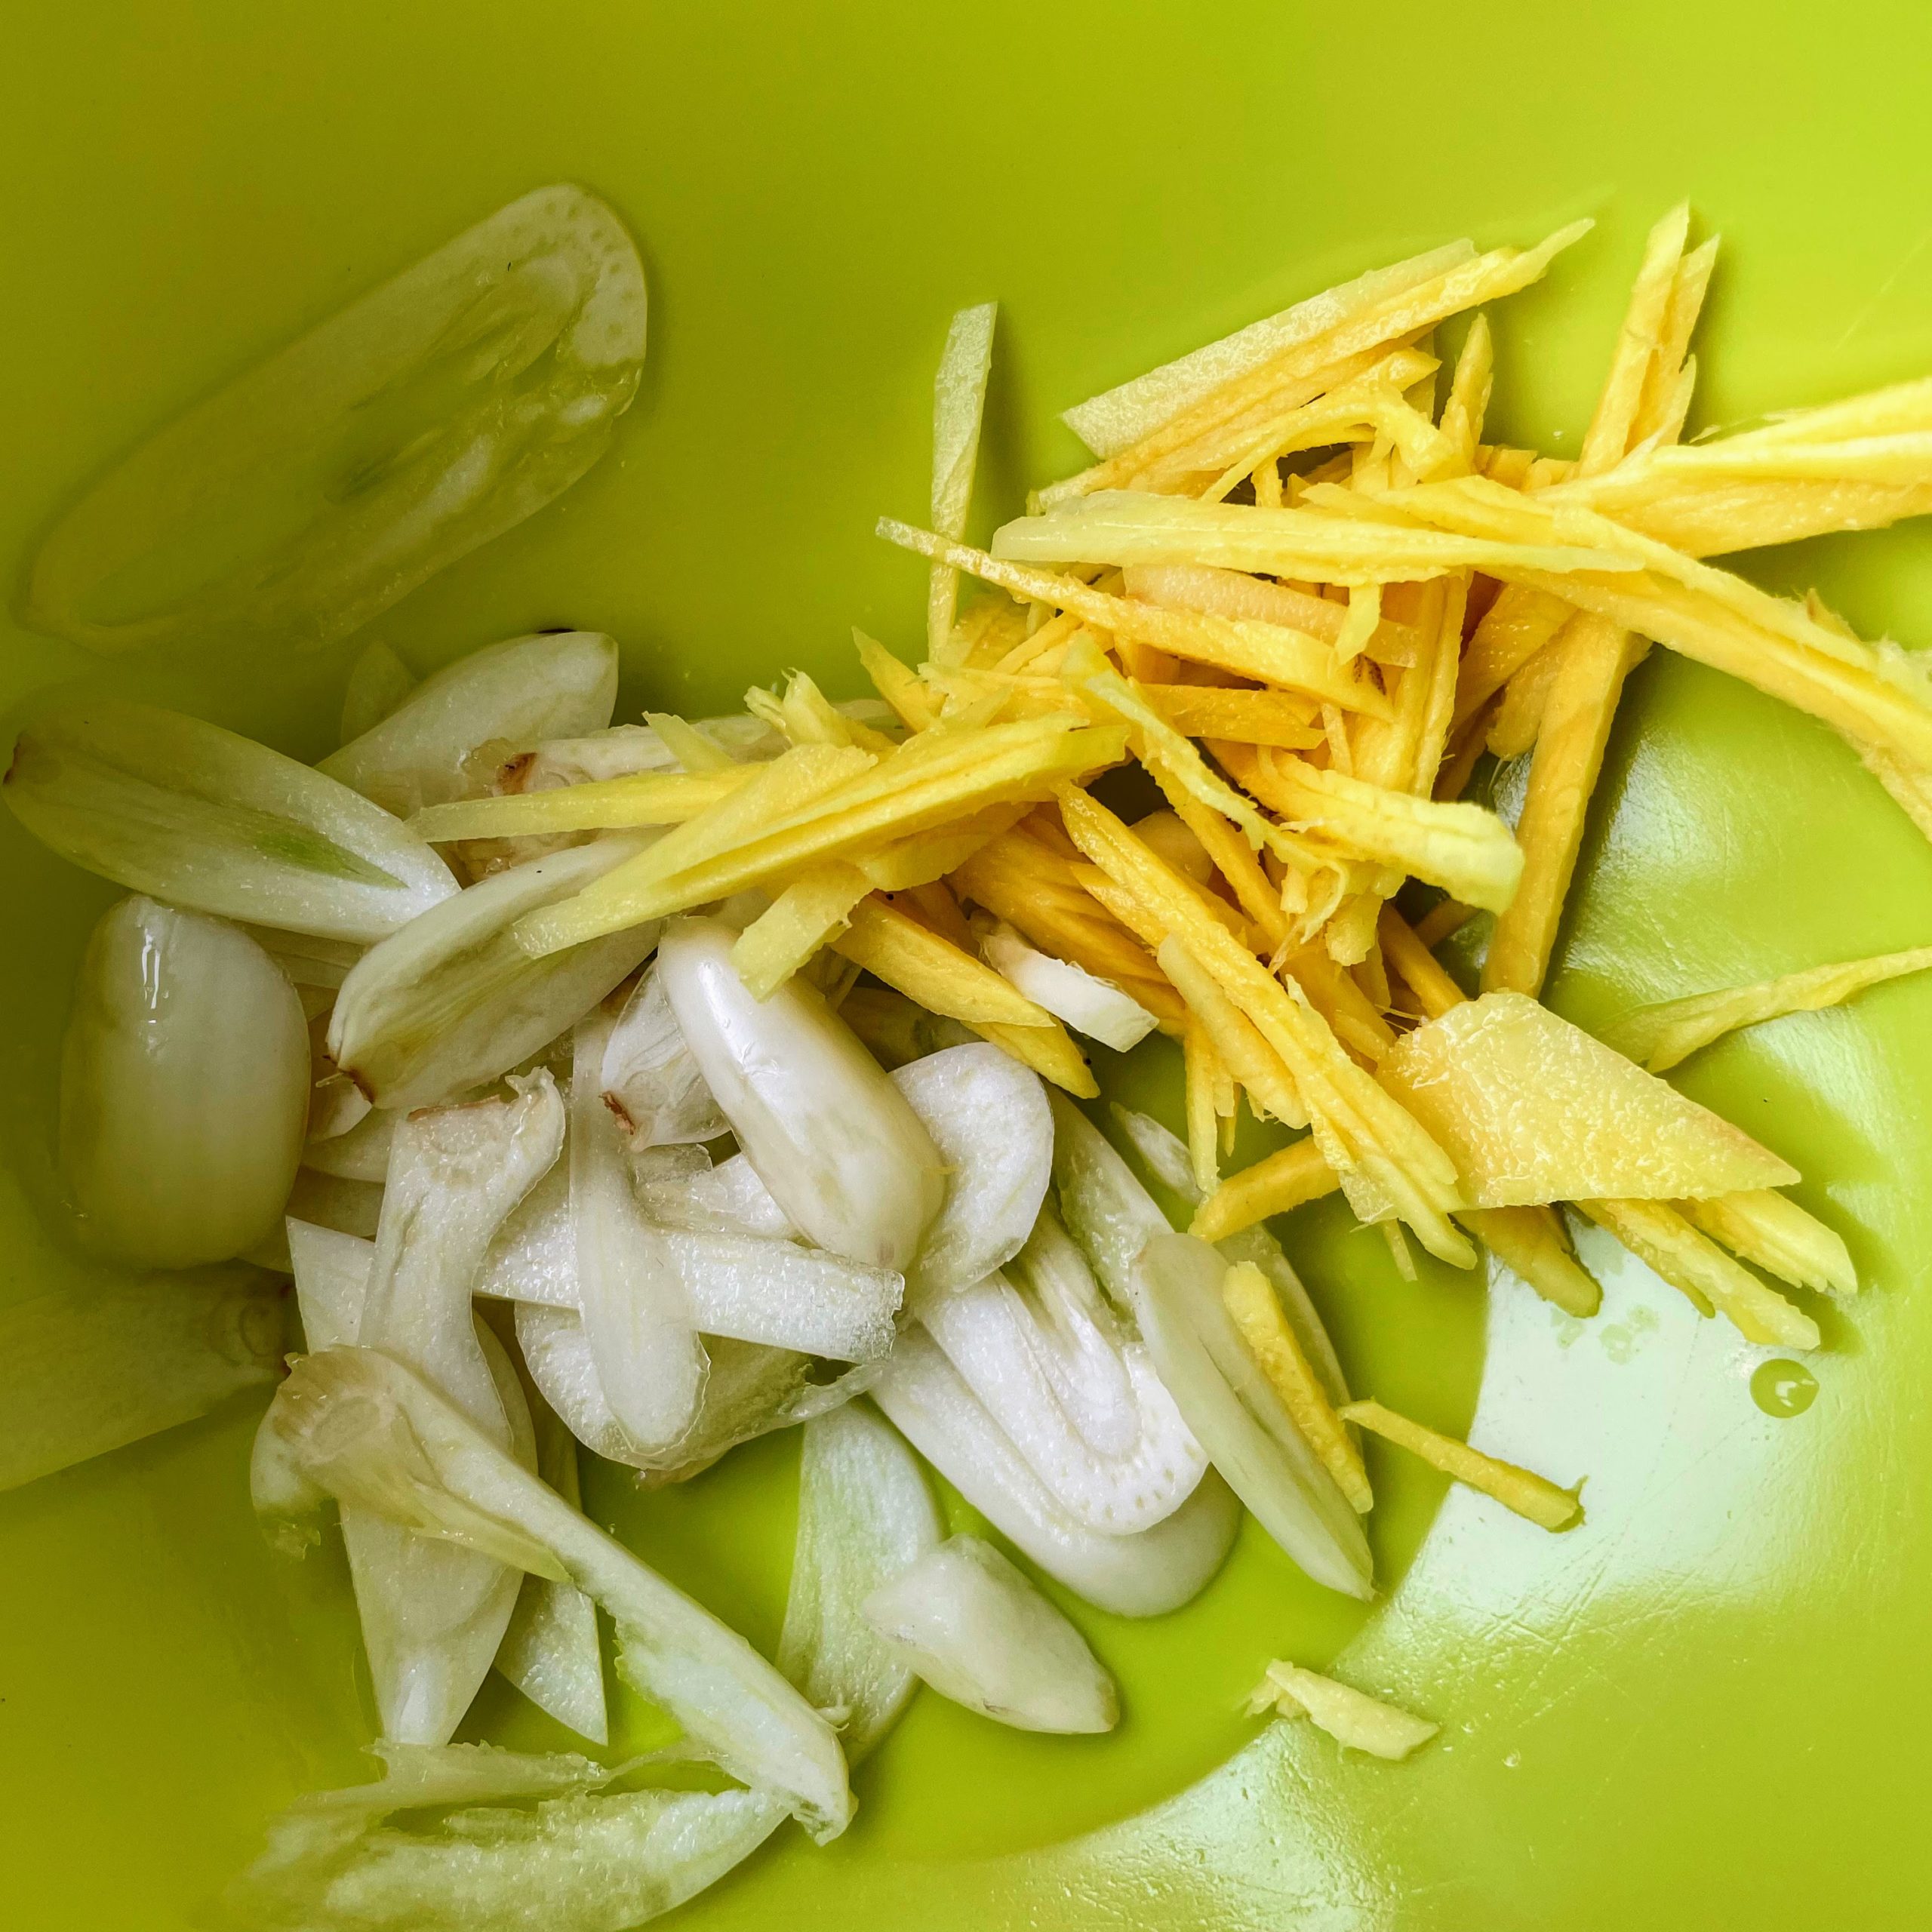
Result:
[1349,1716]
[1088,1004]
[550,685]
[1775,1234]
[1543,1502]
[1533,1110]
[184,1088]
[1144,1575]
[972,1626]
[838,1147]
[643,1338]
[432,414]
[202,819]
[651,1079]
[379,681]
[357,1425]
[866,1517]
[959,402]
[85,1371]
[452,1002]
[550,1651]
[1237,1418]
[1662,1035]
[989,1118]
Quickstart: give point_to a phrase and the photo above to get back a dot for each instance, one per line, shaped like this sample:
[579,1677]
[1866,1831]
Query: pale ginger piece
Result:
[1350,1717]
[1663,1035]
[914,960]
[1250,1061]
[1509,633]
[812,911]
[1518,718]
[1274,1184]
[898,684]
[1531,1243]
[1203,1075]
[1772,1233]
[609,805]
[1532,1110]
[1390,1166]
[1657,1233]
[1249,1299]
[1535,1497]
[959,403]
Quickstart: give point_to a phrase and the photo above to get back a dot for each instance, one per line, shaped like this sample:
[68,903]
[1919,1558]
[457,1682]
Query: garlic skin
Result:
[184,1087]
[835,1142]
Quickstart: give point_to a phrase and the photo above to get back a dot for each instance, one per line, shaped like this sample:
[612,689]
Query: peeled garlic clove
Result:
[203,818]
[184,1089]
[546,685]
[842,1153]
[432,413]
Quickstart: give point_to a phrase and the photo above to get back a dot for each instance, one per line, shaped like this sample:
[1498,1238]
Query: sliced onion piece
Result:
[865,1518]
[1107,1213]
[203,819]
[433,1617]
[1233,1409]
[748,1288]
[973,1628]
[452,1001]
[184,1087]
[1078,1400]
[549,684]
[356,1424]
[637,1319]
[362,1153]
[550,1651]
[432,414]
[1162,1153]
[988,1116]
[840,1149]
[650,1078]
[1144,1575]
[679,1187]
[1088,1004]
[83,1373]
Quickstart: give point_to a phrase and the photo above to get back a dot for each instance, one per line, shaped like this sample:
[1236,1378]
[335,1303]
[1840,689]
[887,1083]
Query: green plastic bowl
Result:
[1702,1708]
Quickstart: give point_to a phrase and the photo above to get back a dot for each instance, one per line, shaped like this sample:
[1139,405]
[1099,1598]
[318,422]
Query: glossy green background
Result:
[1699,1710]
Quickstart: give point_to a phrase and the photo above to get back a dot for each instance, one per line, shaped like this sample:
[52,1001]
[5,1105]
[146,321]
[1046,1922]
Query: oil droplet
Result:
[1783,1389]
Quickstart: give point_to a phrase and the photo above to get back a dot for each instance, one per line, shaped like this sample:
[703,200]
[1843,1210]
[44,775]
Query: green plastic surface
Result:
[1704,1708]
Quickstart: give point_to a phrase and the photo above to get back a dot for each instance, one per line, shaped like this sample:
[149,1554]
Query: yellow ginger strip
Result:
[1657,1233]
[1396,318]
[1660,413]
[1352,1718]
[686,743]
[1247,717]
[1531,1242]
[1543,1502]
[1718,619]
[1357,1023]
[1108,423]
[1388,1165]
[898,684]
[1512,630]
[959,402]
[935,779]
[1250,1298]
[1468,400]
[807,716]
[1593,659]
[1253,1063]
[1233,594]
[1276,1184]
[1662,1035]
[913,959]
[811,912]
[1269,653]
[1444,919]
[929,855]
[1518,718]
[1594,656]
[1772,1233]
[1638,343]
[1322,544]
[1202,1075]
[1464,849]
[643,797]
[1235,863]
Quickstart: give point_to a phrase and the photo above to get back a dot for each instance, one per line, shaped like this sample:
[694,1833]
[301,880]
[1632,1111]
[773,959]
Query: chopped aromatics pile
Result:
[643,1088]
